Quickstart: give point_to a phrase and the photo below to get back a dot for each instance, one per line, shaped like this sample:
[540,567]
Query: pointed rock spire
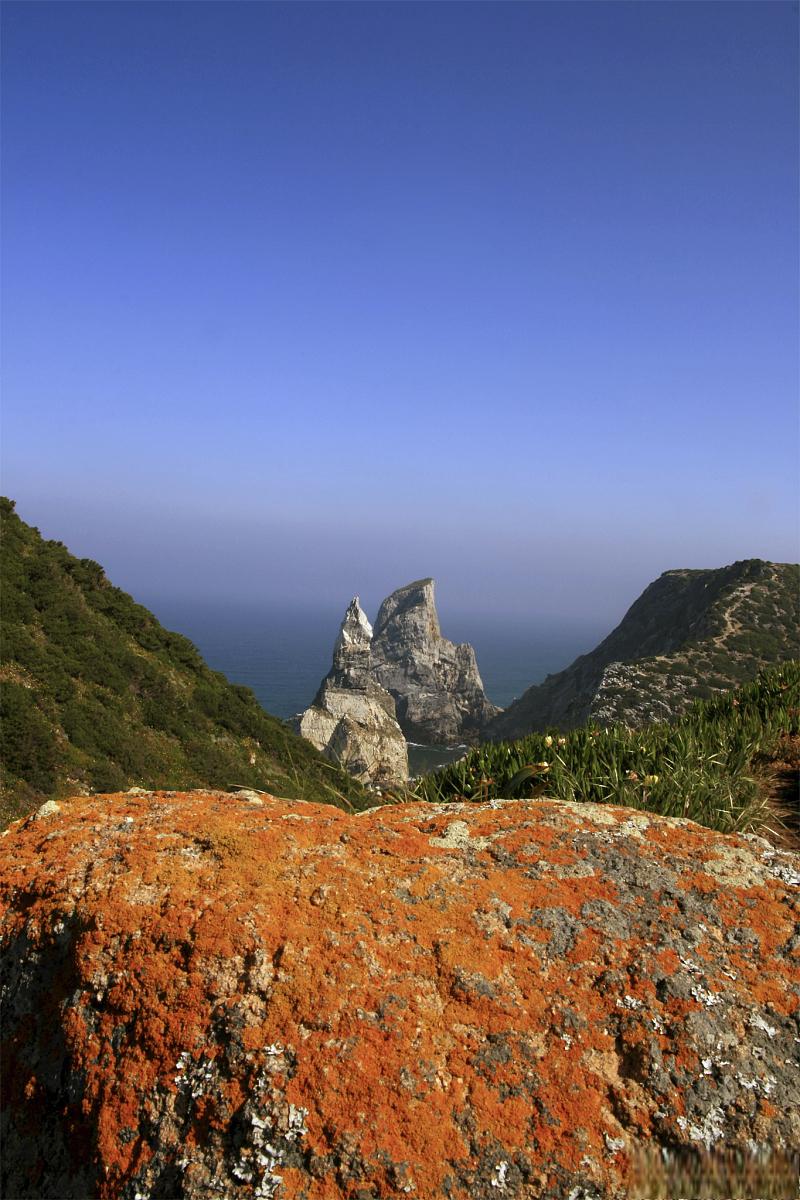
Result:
[352,719]
[351,654]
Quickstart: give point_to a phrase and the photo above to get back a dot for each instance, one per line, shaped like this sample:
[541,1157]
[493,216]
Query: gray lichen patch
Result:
[458,836]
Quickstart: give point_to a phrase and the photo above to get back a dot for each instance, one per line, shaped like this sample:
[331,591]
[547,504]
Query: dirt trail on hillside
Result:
[732,625]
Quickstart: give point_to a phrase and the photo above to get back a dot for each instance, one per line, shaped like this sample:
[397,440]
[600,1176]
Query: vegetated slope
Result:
[97,695]
[689,635]
[708,765]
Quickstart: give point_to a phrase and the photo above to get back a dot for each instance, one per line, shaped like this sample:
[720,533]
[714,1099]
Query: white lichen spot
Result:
[709,1131]
[500,1173]
[705,997]
[630,1002]
[268,1156]
[48,809]
[758,1022]
[765,1086]
[195,1076]
[297,1122]
[457,837]
[613,1145]
[180,1066]
[786,873]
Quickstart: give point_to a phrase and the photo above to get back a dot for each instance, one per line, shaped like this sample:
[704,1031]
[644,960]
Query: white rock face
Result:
[356,630]
[352,720]
[435,683]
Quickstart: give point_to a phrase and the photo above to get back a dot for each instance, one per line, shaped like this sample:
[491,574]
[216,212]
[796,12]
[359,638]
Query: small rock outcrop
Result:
[436,684]
[231,995]
[352,719]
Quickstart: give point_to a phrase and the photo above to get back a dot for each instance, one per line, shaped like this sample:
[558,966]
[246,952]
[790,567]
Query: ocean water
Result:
[283,653]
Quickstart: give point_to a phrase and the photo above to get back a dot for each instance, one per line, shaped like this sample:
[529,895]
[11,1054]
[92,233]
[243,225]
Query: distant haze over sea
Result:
[283,653]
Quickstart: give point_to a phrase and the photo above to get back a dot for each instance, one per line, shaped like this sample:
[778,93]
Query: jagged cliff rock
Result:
[352,719]
[211,995]
[689,634]
[435,683]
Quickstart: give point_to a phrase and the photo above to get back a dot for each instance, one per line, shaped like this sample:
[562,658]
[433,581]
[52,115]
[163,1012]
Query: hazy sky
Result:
[302,300]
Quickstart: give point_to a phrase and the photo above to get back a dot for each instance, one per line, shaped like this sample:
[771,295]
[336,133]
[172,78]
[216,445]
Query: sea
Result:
[283,653]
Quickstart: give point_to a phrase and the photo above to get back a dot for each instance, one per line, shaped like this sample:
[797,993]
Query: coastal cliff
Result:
[435,683]
[691,634]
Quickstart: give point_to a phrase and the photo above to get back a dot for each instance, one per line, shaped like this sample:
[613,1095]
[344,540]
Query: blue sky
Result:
[302,300]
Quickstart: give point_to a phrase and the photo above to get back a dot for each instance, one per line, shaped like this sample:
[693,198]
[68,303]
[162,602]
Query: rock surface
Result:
[352,719]
[211,994]
[690,634]
[436,684]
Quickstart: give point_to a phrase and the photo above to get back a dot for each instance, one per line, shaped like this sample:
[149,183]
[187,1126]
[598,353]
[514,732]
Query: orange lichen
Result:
[702,883]
[434,991]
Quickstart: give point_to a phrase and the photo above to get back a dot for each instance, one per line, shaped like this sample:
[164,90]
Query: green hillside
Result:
[711,765]
[689,636]
[97,696]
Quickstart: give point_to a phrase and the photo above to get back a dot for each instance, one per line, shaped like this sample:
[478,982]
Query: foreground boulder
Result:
[230,995]
[435,683]
[352,719]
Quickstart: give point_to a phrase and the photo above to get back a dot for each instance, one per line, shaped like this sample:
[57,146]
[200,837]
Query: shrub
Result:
[28,745]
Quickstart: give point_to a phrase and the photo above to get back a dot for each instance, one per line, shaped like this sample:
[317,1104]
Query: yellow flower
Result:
[548,741]
[649,780]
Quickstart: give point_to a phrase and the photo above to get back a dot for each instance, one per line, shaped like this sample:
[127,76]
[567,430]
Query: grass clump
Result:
[704,766]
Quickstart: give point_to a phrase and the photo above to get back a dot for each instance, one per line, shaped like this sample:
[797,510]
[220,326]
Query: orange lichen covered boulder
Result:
[212,994]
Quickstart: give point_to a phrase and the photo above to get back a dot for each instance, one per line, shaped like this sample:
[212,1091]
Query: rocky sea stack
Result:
[212,995]
[406,681]
[352,718]
[435,683]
